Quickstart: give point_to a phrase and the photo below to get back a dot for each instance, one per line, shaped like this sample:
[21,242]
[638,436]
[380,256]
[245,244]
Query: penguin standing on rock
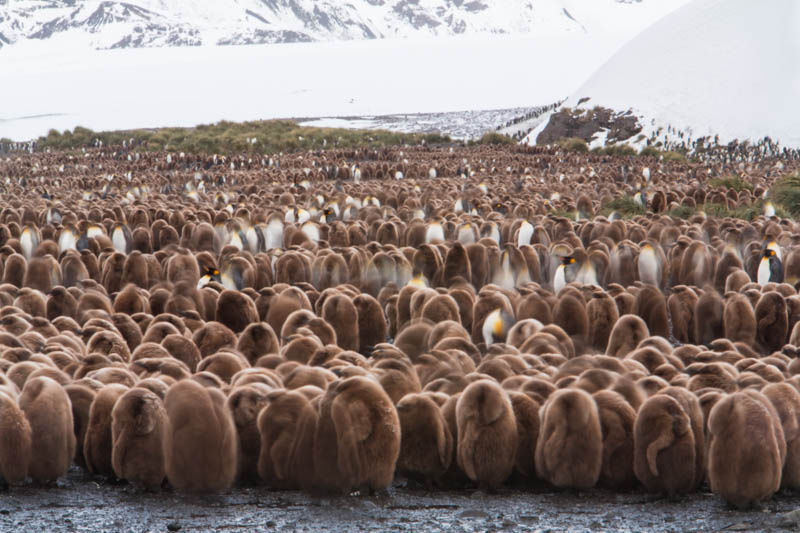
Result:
[770,269]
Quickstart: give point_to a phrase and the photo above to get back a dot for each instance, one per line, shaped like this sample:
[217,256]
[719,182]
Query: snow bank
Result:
[137,88]
[726,67]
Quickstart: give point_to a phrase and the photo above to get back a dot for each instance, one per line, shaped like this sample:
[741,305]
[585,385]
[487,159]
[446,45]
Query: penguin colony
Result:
[333,320]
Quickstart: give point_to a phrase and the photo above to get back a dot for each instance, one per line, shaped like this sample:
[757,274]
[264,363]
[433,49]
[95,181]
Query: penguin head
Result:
[209,274]
[500,208]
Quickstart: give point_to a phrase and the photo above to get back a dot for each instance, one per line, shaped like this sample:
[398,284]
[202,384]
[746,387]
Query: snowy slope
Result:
[154,23]
[184,86]
[714,67]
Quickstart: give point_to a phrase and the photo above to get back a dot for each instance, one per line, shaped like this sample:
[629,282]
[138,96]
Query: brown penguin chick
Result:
[426,446]
[652,307]
[397,377]
[772,322]
[43,274]
[245,403]
[602,313]
[440,308]
[212,337]
[286,429]
[739,319]
[744,457]
[81,398]
[786,400]
[223,364]
[138,429]
[487,433]
[201,446]
[570,314]
[340,312]
[372,327]
[691,406]
[708,318]
[258,339]
[526,413]
[15,441]
[357,440]
[98,443]
[626,335]
[664,447]
[47,408]
[14,270]
[617,418]
[681,304]
[183,350]
[235,310]
[130,301]
[569,452]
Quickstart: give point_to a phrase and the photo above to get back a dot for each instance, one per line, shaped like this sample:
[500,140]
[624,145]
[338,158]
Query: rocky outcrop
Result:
[586,123]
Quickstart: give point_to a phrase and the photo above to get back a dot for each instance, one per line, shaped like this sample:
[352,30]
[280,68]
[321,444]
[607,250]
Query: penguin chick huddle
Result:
[331,321]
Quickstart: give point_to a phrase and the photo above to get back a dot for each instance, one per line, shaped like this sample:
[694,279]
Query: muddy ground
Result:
[83,503]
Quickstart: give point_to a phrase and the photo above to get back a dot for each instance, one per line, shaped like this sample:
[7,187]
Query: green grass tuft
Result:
[573,144]
[236,137]
[625,206]
[786,194]
[492,137]
[731,182]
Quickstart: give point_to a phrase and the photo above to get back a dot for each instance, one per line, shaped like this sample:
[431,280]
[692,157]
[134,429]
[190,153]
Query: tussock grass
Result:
[492,137]
[259,137]
[625,206]
[731,182]
[573,144]
[786,194]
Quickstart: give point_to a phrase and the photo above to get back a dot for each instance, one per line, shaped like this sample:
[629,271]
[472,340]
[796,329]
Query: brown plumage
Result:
[744,456]
[47,408]
[15,441]
[98,443]
[617,418]
[426,447]
[201,446]
[357,439]
[569,452]
[664,454]
[245,403]
[286,428]
[138,429]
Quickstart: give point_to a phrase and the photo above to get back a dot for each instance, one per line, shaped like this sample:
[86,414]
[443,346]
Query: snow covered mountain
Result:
[726,68]
[104,24]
